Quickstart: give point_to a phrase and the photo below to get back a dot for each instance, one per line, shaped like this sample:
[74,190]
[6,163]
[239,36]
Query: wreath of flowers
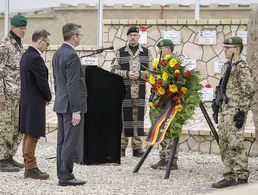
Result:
[172,81]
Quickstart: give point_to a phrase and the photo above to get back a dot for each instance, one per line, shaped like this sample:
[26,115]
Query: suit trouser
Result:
[29,144]
[136,141]
[68,137]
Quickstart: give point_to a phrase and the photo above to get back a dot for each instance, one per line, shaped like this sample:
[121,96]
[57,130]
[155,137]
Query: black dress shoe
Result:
[138,152]
[71,182]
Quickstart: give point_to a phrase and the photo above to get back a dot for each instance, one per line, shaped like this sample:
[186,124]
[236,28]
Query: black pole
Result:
[172,156]
[138,166]
[213,130]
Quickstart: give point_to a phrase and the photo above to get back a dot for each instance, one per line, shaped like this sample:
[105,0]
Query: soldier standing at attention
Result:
[11,51]
[232,116]
[165,46]
[130,63]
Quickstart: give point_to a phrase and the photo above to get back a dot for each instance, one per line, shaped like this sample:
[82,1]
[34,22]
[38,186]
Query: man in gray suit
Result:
[70,104]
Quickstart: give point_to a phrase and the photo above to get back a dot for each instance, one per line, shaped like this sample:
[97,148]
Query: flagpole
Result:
[6,17]
[197,10]
[100,21]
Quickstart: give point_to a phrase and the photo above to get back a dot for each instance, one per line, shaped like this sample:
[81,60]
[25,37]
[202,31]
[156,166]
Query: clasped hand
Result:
[134,74]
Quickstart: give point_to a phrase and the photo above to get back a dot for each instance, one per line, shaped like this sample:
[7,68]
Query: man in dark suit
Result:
[70,104]
[35,95]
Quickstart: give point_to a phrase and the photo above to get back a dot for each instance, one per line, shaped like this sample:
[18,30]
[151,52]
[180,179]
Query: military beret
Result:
[132,29]
[233,41]
[19,21]
[165,42]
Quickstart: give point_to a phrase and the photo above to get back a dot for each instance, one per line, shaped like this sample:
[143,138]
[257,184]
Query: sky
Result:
[22,5]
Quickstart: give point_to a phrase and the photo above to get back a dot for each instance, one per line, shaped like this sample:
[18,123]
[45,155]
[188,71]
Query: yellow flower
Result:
[151,105]
[165,76]
[184,90]
[155,62]
[172,62]
[161,91]
[158,76]
[173,88]
[177,71]
[179,108]
[152,79]
[167,56]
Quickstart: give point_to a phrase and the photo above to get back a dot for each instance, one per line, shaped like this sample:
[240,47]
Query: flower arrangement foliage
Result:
[171,81]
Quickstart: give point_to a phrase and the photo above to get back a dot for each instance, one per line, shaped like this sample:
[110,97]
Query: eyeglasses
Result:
[46,42]
[79,35]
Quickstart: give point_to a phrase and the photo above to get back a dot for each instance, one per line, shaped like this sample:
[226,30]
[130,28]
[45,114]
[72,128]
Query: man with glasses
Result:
[70,105]
[130,63]
[232,116]
[35,95]
[11,50]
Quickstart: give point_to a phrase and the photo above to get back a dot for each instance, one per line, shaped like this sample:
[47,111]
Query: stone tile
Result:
[254,149]
[193,144]
[205,146]
[215,147]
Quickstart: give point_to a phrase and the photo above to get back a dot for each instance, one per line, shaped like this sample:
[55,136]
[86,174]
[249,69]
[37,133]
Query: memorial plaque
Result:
[207,37]
[89,61]
[143,35]
[218,66]
[207,94]
[174,36]
[189,63]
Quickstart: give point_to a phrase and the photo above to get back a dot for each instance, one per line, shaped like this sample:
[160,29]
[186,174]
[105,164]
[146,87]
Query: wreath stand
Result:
[175,145]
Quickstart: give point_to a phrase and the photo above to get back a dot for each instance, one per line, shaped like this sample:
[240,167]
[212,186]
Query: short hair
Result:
[69,30]
[40,34]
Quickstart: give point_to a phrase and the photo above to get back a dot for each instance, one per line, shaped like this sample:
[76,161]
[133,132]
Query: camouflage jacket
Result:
[10,55]
[239,88]
[134,62]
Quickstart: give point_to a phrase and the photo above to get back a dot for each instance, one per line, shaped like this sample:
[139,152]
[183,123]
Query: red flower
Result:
[177,65]
[176,98]
[154,88]
[207,85]
[159,82]
[146,76]
[188,73]
[164,62]
[167,95]
[178,74]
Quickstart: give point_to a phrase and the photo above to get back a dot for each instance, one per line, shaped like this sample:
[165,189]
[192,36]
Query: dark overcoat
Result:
[35,92]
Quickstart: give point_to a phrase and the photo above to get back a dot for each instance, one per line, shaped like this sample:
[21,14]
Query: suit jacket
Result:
[69,81]
[35,92]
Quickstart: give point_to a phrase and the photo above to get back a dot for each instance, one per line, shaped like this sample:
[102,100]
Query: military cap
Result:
[235,40]
[19,21]
[132,29]
[165,42]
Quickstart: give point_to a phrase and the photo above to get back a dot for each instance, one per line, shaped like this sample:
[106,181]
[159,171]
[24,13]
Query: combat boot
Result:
[242,181]
[138,152]
[15,163]
[7,167]
[224,183]
[35,174]
[162,164]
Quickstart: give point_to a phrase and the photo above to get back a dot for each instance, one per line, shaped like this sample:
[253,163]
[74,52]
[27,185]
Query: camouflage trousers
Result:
[167,143]
[9,137]
[136,141]
[232,149]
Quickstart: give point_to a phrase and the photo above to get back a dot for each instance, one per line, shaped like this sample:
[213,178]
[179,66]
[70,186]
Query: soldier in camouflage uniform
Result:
[165,46]
[232,117]
[11,51]
[130,63]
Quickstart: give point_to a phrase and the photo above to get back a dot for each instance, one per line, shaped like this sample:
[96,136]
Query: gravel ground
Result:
[196,172]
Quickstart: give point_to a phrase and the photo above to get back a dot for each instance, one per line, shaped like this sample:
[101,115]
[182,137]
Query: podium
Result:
[103,120]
